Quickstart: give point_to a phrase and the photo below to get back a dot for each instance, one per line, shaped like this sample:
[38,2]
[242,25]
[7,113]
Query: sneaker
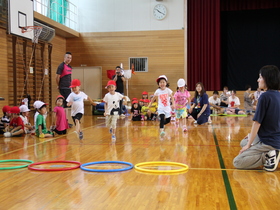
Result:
[162,133]
[185,129]
[111,130]
[7,134]
[113,138]
[195,122]
[70,125]
[272,160]
[81,135]
[209,122]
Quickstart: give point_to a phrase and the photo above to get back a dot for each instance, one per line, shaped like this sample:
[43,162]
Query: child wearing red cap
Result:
[59,120]
[5,120]
[112,107]
[145,95]
[76,101]
[16,126]
[145,110]
[135,111]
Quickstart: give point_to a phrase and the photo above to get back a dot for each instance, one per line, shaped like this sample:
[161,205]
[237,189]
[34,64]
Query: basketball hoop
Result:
[36,29]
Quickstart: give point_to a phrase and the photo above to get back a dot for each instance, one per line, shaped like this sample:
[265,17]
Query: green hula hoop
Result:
[15,160]
[161,163]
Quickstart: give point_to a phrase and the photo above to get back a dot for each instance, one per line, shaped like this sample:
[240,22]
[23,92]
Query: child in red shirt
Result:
[16,126]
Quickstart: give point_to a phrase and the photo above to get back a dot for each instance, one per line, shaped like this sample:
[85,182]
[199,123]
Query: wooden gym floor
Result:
[210,183]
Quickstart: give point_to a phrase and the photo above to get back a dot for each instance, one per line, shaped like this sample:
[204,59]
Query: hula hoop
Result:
[162,163]
[54,169]
[130,166]
[15,160]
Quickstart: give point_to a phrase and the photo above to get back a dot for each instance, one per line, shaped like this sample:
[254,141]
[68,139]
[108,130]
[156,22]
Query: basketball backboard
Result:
[20,15]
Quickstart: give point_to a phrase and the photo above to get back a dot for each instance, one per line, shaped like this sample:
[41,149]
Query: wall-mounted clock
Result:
[159,11]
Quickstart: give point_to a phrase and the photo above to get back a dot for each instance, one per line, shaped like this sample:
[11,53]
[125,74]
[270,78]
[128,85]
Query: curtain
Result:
[203,54]
[58,10]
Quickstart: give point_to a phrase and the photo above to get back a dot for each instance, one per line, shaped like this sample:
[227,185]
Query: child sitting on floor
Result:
[16,127]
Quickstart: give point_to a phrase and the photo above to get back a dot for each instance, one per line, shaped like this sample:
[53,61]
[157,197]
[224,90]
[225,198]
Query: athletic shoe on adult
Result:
[272,160]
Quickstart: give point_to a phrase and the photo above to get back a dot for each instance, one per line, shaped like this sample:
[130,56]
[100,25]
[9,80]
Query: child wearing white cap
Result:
[164,108]
[41,126]
[182,98]
[24,115]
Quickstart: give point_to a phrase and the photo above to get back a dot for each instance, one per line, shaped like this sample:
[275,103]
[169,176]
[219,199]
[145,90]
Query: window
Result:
[140,64]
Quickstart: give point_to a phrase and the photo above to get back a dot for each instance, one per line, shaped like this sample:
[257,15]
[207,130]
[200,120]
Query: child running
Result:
[181,97]
[76,101]
[164,108]
[112,107]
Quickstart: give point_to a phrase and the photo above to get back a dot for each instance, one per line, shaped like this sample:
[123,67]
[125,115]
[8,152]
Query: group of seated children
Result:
[140,110]
[15,120]
[227,99]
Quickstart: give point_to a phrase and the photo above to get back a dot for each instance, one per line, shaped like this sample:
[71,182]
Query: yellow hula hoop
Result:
[164,163]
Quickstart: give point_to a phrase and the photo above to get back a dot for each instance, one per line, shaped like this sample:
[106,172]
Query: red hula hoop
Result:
[54,169]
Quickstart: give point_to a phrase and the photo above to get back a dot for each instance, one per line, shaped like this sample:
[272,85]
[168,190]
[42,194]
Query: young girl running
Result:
[164,109]
[181,97]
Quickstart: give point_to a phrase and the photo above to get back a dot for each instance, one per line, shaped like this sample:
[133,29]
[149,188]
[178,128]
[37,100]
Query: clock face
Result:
[159,11]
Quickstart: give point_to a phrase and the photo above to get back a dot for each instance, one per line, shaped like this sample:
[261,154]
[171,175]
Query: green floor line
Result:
[230,196]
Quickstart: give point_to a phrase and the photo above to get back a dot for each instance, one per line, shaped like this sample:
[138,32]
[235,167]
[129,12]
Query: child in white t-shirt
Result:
[164,108]
[112,107]
[24,115]
[233,104]
[76,101]
[215,103]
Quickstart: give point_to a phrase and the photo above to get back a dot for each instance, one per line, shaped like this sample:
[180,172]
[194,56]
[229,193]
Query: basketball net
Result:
[36,30]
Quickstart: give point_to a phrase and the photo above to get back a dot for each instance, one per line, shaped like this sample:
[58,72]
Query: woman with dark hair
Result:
[262,145]
[200,110]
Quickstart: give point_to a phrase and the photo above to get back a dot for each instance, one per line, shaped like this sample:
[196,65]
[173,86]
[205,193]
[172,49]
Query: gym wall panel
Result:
[58,52]
[164,49]
[4,68]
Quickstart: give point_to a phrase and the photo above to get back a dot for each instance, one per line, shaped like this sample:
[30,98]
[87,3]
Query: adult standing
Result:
[64,76]
[119,79]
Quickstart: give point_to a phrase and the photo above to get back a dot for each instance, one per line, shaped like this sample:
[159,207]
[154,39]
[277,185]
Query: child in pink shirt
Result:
[181,98]
[59,122]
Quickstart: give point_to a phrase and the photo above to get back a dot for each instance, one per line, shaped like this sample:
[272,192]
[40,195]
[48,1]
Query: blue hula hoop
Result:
[130,166]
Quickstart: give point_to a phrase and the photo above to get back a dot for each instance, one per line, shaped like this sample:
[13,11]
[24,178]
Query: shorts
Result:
[78,116]
[166,113]
[60,132]
[181,113]
[111,121]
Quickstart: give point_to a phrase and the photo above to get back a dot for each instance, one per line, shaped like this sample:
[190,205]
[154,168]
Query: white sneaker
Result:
[113,138]
[272,160]
[195,122]
[7,134]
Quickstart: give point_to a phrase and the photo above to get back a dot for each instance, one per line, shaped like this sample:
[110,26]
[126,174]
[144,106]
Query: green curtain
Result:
[58,10]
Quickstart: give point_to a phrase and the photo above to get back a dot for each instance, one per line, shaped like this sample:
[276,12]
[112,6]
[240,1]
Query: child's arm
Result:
[172,100]
[53,118]
[152,100]
[16,129]
[125,100]
[91,101]
[105,108]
